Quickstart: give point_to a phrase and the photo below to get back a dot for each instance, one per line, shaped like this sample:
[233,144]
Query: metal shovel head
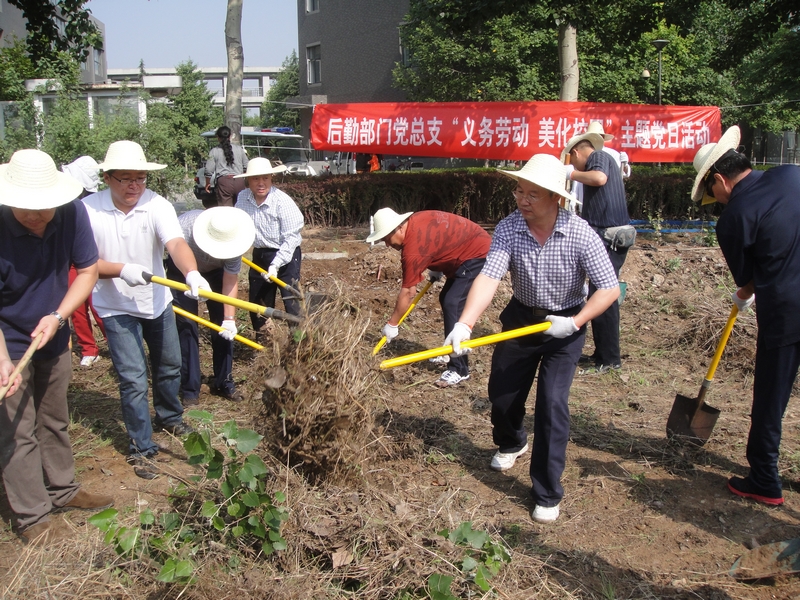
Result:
[691,420]
[314,301]
[769,560]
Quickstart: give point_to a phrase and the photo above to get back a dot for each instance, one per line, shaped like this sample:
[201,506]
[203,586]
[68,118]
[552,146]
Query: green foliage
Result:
[230,504]
[15,67]
[274,111]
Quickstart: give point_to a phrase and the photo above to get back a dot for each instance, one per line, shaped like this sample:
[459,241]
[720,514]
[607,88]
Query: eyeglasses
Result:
[519,195]
[710,181]
[126,182]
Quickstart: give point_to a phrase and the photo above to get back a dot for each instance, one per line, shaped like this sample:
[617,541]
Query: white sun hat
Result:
[594,138]
[85,170]
[224,232]
[125,155]
[260,166]
[707,156]
[386,221]
[597,127]
[30,180]
[545,171]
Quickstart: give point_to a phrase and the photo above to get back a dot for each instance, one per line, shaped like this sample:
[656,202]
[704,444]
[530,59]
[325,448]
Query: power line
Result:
[759,104]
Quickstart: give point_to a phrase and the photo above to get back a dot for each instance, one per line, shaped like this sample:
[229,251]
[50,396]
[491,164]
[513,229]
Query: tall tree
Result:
[275,112]
[233,43]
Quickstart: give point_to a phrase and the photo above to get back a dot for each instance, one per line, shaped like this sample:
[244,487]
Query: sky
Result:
[165,33]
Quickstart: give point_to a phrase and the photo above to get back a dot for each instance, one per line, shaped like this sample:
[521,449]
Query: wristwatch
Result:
[61,321]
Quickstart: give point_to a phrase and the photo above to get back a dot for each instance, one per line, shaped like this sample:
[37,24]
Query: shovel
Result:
[23,362]
[184,313]
[282,284]
[769,560]
[416,299]
[312,300]
[691,418]
[390,363]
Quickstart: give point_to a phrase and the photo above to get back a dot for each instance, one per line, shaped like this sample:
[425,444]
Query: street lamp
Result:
[659,44]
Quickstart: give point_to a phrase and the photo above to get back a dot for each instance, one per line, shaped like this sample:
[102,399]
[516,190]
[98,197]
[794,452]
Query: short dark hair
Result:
[731,164]
[583,143]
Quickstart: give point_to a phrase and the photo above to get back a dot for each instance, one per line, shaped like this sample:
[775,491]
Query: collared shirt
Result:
[34,274]
[217,165]
[759,236]
[278,222]
[605,205]
[205,262]
[138,237]
[549,276]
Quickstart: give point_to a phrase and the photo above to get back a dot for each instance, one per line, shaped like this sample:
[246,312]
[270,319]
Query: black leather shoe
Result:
[229,394]
[143,466]
[178,429]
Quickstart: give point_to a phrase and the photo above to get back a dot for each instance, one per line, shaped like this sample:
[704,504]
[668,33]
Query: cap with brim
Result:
[260,166]
[125,155]
[224,232]
[707,156]
[597,127]
[85,170]
[385,222]
[595,139]
[546,171]
[30,180]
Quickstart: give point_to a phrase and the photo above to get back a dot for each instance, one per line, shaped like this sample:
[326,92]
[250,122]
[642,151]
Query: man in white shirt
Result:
[132,226]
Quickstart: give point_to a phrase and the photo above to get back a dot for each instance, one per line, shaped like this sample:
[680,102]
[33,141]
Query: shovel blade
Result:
[770,560]
[691,420]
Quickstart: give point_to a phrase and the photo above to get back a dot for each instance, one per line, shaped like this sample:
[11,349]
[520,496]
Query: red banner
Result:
[512,130]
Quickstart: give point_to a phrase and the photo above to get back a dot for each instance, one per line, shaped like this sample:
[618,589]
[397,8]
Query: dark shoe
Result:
[38,535]
[143,466]
[229,394]
[190,401]
[86,501]
[586,361]
[744,488]
[599,369]
[177,429]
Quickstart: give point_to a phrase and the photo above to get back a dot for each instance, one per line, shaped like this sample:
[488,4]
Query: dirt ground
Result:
[641,517]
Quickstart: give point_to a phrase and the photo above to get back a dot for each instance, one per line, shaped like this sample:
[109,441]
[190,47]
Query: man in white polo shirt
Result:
[132,226]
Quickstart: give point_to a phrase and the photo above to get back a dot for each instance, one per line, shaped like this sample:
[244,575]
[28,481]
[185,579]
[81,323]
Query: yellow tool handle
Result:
[23,362]
[416,299]
[723,340]
[282,284]
[249,306]
[179,311]
[482,341]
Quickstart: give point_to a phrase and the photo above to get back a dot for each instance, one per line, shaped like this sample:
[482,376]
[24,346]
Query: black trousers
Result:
[514,366]
[263,292]
[605,327]
[452,298]
[776,370]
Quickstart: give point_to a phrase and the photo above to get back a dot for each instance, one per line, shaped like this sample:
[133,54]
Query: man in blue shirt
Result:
[760,239]
[42,232]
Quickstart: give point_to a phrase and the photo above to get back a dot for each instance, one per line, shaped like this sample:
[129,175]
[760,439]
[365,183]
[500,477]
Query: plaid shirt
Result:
[549,276]
[278,222]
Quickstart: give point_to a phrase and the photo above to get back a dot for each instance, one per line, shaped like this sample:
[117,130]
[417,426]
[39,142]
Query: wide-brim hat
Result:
[125,155]
[260,166]
[30,180]
[385,222]
[597,127]
[705,158]
[85,170]
[545,171]
[595,139]
[224,232]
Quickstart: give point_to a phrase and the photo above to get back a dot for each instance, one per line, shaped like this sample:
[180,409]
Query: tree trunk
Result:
[233,94]
[568,61]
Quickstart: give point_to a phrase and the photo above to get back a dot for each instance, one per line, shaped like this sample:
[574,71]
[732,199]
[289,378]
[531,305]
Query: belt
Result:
[539,312]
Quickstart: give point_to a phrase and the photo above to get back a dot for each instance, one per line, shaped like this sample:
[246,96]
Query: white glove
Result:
[390,332]
[741,303]
[196,282]
[229,330]
[461,333]
[272,271]
[570,169]
[560,327]
[133,274]
[435,275]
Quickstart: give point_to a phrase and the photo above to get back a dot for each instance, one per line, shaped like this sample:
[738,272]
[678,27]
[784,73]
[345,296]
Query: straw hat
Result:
[545,171]
[707,156]
[260,166]
[597,127]
[31,181]
[127,156]
[386,221]
[85,170]
[596,139]
[224,232]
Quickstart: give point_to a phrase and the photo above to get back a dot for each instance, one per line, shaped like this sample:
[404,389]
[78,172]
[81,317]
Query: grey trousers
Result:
[35,451]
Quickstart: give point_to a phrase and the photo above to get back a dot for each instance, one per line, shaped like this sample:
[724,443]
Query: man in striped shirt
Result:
[549,252]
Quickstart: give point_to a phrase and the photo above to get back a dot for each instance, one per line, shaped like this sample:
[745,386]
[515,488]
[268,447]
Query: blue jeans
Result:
[126,336]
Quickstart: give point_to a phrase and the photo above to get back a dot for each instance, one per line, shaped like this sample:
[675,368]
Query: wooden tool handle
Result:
[23,362]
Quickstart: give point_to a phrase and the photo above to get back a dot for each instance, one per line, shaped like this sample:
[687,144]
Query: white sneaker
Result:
[503,461]
[88,361]
[545,514]
[440,360]
[449,378]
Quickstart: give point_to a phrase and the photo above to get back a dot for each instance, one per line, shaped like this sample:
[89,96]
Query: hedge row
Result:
[482,195]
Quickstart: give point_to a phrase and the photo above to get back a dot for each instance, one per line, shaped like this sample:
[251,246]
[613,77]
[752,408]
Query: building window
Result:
[314,64]
[312,6]
[98,61]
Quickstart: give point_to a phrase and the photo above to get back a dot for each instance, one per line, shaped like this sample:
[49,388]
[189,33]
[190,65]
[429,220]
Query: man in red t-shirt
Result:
[446,244]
